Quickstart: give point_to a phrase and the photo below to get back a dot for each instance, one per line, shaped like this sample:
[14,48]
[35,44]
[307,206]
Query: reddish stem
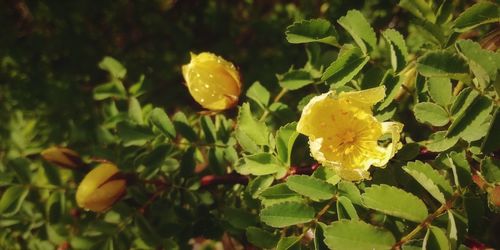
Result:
[230,179]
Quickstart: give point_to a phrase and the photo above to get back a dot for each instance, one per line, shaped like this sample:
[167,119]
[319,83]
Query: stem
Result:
[424,224]
[276,99]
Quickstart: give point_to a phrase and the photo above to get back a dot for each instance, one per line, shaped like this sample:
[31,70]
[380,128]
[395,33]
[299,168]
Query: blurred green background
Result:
[49,51]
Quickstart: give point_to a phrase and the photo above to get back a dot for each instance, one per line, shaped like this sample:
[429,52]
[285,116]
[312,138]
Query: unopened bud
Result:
[63,157]
[213,82]
[101,188]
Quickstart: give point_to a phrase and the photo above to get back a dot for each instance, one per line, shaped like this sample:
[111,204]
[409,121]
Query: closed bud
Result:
[213,82]
[101,188]
[63,157]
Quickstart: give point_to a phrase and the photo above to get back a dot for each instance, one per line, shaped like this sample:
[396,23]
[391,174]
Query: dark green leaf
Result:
[260,164]
[314,30]
[443,64]
[285,139]
[12,199]
[113,89]
[348,64]
[239,218]
[467,123]
[438,142]
[295,79]
[310,187]
[261,238]
[491,143]
[490,169]
[480,13]
[132,134]
[397,49]
[287,214]
[436,239]
[279,193]
[160,120]
[419,8]
[392,85]
[286,243]
[182,126]
[21,166]
[435,183]
[208,129]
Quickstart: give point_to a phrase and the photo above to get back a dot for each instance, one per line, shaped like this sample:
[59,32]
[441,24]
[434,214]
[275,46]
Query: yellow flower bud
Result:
[344,135]
[100,188]
[212,81]
[63,157]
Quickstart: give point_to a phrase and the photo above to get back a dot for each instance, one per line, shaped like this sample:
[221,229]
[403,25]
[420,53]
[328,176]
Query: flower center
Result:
[347,137]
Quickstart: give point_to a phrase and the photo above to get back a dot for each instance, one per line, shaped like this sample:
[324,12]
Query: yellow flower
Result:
[100,188]
[344,134]
[62,157]
[212,81]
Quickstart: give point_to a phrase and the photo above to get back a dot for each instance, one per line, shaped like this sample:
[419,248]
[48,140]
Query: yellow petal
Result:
[97,186]
[212,81]
[394,128]
[364,99]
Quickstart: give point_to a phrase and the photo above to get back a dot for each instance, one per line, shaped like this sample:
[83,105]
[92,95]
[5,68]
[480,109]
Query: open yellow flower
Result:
[344,134]
[212,81]
[101,188]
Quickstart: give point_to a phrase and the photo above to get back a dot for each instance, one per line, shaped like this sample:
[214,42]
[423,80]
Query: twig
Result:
[424,224]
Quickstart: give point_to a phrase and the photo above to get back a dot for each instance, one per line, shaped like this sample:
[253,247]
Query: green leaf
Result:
[397,49]
[480,13]
[113,89]
[467,123]
[360,30]
[419,8]
[208,129]
[441,63]
[261,238]
[287,214]
[436,239]
[260,164]
[490,169]
[52,174]
[349,190]
[458,163]
[113,67]
[182,126]
[327,174]
[314,30]
[310,187]
[348,64]
[279,193]
[255,130]
[345,209]
[435,183]
[135,110]
[295,79]
[431,113]
[445,12]
[440,90]
[392,85]
[132,134]
[491,142]
[289,242]
[463,101]
[259,184]
[438,142]
[12,199]
[481,62]
[382,197]
[285,139]
[259,94]
[319,236]
[160,120]
[452,230]
[357,235]
[21,167]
